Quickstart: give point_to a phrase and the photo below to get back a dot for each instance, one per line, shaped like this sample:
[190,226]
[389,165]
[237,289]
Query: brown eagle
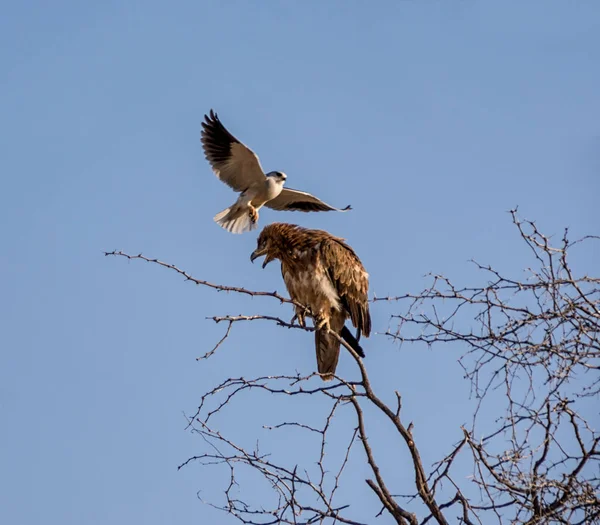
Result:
[324,274]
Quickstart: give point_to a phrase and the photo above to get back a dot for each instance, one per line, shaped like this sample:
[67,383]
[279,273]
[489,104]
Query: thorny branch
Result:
[535,349]
[200,282]
[532,344]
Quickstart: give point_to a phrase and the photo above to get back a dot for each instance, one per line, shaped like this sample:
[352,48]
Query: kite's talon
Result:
[253,214]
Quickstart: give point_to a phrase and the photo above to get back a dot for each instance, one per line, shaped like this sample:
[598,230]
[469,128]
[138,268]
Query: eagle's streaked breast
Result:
[308,282]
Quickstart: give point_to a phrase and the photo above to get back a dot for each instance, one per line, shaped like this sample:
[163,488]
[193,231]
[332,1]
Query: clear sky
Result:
[432,119]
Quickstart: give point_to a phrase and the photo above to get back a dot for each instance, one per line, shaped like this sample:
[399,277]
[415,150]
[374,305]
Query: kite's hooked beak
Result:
[259,253]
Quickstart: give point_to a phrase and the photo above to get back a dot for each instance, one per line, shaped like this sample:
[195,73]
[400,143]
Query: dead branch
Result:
[529,345]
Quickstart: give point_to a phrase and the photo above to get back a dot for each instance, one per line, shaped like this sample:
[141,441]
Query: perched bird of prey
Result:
[238,167]
[324,274]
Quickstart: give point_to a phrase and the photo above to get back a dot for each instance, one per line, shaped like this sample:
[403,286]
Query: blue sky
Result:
[431,118]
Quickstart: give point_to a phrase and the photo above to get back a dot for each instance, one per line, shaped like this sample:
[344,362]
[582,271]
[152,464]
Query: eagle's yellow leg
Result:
[321,322]
[300,316]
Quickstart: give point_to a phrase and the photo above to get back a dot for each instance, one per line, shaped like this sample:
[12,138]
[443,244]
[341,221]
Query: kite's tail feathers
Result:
[328,353]
[352,341]
[237,219]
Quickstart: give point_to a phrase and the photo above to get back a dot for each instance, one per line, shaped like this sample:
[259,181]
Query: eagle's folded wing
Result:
[295,200]
[233,162]
[350,280]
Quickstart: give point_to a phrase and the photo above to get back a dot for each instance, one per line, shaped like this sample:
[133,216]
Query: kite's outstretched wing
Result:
[233,162]
[295,200]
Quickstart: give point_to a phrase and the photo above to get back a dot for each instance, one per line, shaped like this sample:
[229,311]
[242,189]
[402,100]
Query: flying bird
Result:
[324,274]
[238,166]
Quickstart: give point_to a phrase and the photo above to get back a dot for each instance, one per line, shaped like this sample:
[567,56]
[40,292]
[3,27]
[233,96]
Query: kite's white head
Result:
[278,176]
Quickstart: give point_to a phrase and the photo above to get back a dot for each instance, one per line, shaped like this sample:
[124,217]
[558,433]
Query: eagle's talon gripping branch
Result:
[300,319]
[300,316]
[321,322]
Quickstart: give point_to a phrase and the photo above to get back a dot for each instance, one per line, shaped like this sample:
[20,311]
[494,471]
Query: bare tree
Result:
[528,345]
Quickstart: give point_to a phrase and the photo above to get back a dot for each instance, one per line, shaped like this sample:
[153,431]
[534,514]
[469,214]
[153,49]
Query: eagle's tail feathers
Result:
[235,220]
[328,353]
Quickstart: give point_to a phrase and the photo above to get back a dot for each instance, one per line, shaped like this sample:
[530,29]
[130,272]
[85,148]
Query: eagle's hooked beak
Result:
[259,253]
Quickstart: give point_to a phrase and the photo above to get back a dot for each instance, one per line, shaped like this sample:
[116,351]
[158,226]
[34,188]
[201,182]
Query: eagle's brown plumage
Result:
[323,273]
